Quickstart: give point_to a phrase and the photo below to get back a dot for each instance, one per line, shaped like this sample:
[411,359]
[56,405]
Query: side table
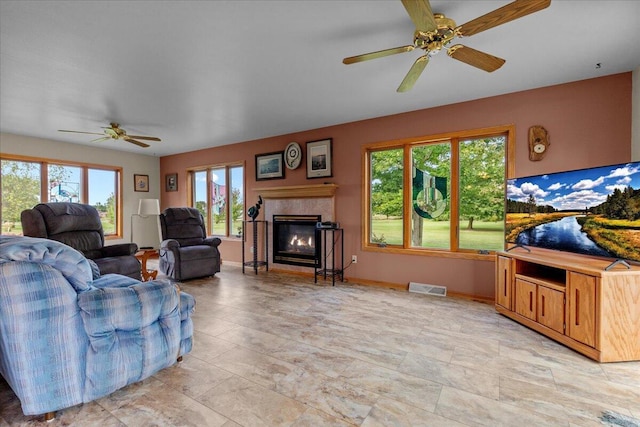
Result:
[322,268]
[257,226]
[143,255]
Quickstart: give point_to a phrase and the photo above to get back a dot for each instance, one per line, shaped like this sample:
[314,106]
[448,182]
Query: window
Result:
[21,189]
[28,181]
[64,183]
[103,185]
[386,196]
[431,190]
[443,193]
[211,190]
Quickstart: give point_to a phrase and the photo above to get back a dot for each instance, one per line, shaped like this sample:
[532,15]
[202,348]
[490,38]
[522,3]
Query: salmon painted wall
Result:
[589,124]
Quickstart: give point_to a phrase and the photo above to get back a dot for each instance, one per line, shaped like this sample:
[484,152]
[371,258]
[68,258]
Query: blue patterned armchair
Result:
[68,337]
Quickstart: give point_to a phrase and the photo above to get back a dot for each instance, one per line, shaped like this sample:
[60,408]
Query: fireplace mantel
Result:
[298,191]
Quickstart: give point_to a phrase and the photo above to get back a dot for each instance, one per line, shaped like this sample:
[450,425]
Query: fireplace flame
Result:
[299,241]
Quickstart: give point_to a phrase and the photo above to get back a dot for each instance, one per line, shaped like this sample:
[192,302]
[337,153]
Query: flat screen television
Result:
[592,211]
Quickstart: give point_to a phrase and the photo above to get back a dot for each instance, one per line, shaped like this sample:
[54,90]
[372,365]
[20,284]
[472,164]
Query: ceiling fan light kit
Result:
[114,131]
[434,32]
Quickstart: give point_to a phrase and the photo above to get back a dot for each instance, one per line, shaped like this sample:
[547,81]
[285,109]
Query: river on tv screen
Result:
[589,211]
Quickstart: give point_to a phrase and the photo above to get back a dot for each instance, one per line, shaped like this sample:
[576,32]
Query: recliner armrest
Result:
[119,249]
[133,328]
[212,241]
[169,244]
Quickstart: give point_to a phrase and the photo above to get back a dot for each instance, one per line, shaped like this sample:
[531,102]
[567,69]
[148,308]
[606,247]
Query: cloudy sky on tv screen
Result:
[575,190]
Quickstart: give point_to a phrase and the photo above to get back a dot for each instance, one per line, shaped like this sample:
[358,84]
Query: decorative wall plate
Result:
[293,155]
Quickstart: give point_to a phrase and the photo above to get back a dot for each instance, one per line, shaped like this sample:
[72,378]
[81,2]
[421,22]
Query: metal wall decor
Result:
[292,155]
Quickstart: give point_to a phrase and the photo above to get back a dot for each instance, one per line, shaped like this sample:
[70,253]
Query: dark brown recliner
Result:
[186,252]
[79,226]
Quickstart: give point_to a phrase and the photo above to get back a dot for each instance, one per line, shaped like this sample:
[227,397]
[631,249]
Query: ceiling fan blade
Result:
[420,13]
[133,141]
[412,76]
[77,131]
[475,58]
[511,11]
[104,138]
[377,54]
[148,138]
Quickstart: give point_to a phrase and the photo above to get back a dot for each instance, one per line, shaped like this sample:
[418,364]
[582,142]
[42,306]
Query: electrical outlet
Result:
[354,259]
[251,249]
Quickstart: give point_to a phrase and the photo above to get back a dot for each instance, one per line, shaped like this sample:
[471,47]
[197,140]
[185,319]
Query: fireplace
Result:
[294,240]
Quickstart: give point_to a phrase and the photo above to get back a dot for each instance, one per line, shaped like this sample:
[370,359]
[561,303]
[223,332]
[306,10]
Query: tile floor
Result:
[279,350]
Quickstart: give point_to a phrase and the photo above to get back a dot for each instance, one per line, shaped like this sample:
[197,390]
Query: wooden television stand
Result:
[572,299]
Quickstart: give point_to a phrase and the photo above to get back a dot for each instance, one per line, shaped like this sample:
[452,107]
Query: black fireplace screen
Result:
[294,240]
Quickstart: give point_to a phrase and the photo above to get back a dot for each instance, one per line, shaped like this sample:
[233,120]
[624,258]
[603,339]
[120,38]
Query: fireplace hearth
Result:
[294,240]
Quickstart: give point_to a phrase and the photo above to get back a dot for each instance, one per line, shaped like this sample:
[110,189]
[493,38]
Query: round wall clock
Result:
[539,148]
[292,155]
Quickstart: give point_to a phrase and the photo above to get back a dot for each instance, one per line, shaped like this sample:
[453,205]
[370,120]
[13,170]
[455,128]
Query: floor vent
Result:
[421,288]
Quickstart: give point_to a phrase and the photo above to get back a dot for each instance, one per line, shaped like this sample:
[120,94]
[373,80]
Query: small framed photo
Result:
[141,183]
[270,166]
[319,159]
[171,182]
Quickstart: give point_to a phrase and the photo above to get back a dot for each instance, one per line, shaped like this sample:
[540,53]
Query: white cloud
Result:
[587,184]
[556,186]
[623,181]
[529,188]
[578,200]
[514,192]
[624,171]
[522,193]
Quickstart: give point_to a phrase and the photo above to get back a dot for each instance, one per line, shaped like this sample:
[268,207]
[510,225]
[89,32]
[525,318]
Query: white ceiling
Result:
[206,73]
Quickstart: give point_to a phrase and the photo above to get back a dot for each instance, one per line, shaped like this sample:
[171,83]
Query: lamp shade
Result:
[149,207]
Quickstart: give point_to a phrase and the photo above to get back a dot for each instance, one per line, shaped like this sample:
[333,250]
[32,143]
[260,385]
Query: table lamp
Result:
[147,208]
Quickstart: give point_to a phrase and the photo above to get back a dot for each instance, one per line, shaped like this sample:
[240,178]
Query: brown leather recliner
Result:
[186,252]
[79,226]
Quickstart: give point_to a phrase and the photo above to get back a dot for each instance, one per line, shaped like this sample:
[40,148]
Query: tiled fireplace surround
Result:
[297,200]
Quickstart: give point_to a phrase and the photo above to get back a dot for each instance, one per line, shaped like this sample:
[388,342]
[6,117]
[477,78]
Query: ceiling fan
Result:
[434,31]
[114,131]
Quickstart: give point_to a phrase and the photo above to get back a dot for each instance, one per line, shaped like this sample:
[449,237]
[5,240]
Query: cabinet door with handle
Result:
[504,281]
[526,299]
[551,308]
[581,301]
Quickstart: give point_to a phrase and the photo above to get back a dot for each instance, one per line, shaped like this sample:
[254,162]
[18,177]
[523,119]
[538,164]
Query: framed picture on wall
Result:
[270,166]
[141,182]
[319,159]
[171,182]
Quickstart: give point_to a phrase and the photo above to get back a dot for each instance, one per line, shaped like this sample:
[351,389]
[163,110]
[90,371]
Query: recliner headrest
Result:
[65,217]
[182,214]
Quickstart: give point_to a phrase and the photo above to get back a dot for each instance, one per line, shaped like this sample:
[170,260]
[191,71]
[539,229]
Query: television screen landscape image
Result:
[588,211]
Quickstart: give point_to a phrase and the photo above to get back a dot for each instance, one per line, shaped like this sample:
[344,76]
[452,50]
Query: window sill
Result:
[432,253]
[228,238]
